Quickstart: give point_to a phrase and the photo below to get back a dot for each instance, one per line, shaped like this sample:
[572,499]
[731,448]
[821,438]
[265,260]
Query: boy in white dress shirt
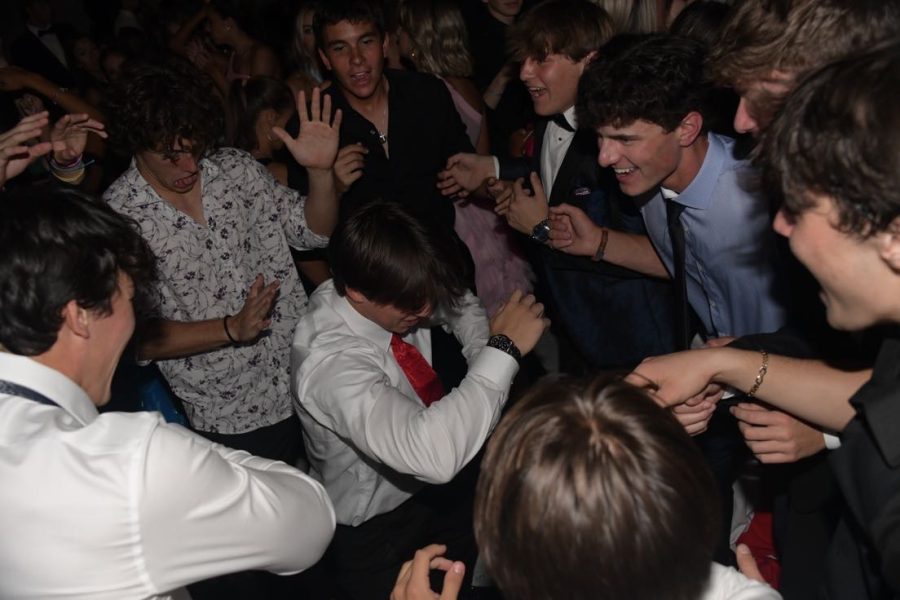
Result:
[382,427]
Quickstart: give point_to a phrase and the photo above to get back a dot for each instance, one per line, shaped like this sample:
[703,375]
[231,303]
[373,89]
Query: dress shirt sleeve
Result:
[291,208]
[206,510]
[468,323]
[349,393]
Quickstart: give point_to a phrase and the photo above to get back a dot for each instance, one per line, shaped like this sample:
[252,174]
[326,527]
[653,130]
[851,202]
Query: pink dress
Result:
[500,266]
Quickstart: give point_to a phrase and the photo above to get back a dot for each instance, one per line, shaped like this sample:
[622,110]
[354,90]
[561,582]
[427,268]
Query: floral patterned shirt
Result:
[206,272]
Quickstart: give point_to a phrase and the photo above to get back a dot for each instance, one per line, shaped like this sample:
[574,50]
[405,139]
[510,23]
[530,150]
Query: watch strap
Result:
[504,344]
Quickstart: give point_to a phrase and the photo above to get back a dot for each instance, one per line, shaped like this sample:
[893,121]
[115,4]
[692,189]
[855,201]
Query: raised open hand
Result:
[69,136]
[15,154]
[316,146]
[253,318]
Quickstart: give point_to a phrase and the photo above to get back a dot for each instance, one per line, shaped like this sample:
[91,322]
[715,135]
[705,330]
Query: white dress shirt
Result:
[727,583]
[369,438]
[124,506]
[51,42]
[554,147]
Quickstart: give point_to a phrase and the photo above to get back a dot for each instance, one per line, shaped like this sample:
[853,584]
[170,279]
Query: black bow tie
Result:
[560,120]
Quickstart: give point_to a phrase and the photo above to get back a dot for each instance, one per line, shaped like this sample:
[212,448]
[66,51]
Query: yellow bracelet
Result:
[761,375]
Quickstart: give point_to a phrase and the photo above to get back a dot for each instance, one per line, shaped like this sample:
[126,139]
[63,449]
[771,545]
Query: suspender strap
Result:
[14,389]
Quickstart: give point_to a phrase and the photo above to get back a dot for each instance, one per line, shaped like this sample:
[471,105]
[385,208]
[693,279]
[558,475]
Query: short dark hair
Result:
[59,246]
[607,483]
[836,137]
[573,28]
[353,11]
[396,255]
[795,37]
[651,77]
[154,104]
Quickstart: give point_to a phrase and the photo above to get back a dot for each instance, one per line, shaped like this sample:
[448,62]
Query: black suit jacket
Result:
[424,130]
[29,53]
[614,317]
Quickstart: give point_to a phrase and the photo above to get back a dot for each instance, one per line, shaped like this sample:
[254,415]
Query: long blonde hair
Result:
[438,37]
[631,16]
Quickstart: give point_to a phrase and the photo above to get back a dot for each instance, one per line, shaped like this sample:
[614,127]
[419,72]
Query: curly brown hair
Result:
[155,104]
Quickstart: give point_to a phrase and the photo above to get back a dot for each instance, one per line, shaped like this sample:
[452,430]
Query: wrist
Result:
[599,243]
[540,233]
[230,337]
[503,343]
[734,367]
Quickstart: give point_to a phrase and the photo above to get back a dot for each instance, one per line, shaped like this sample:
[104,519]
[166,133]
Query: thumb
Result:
[256,286]
[282,135]
[747,564]
[453,581]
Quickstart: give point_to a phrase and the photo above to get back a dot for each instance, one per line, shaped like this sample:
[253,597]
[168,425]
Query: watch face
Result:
[541,232]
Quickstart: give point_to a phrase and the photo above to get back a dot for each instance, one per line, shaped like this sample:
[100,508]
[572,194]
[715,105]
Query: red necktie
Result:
[417,370]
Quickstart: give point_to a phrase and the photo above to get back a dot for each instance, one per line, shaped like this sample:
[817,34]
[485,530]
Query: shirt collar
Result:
[359,324]
[699,192]
[37,30]
[49,382]
[571,117]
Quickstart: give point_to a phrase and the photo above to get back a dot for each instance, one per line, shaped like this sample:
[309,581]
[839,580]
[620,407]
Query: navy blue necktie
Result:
[676,234]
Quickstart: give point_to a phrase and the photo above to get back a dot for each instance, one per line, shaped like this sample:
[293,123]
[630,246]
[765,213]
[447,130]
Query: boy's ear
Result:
[324,59]
[355,296]
[269,116]
[890,245]
[690,127]
[76,319]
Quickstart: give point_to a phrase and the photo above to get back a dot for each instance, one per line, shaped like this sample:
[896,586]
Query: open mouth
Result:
[536,92]
[624,172]
[186,182]
[360,79]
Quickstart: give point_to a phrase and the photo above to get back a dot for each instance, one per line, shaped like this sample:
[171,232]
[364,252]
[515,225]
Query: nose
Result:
[187,162]
[527,69]
[784,223]
[744,122]
[607,153]
[355,55]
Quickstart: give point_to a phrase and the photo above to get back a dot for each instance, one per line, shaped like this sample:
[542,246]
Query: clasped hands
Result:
[685,382]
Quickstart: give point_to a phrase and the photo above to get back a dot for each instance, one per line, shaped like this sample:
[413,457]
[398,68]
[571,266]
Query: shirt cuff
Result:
[832,442]
[496,167]
[495,366]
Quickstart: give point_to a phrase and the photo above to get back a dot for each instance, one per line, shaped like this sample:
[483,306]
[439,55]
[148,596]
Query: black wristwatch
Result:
[504,344]
[541,232]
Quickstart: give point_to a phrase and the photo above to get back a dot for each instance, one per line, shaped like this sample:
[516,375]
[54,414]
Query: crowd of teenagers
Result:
[477,299]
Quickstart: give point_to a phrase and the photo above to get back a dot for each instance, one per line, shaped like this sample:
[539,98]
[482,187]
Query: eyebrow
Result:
[622,137]
[366,34]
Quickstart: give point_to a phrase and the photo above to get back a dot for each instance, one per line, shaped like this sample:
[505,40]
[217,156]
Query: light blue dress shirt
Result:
[731,257]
